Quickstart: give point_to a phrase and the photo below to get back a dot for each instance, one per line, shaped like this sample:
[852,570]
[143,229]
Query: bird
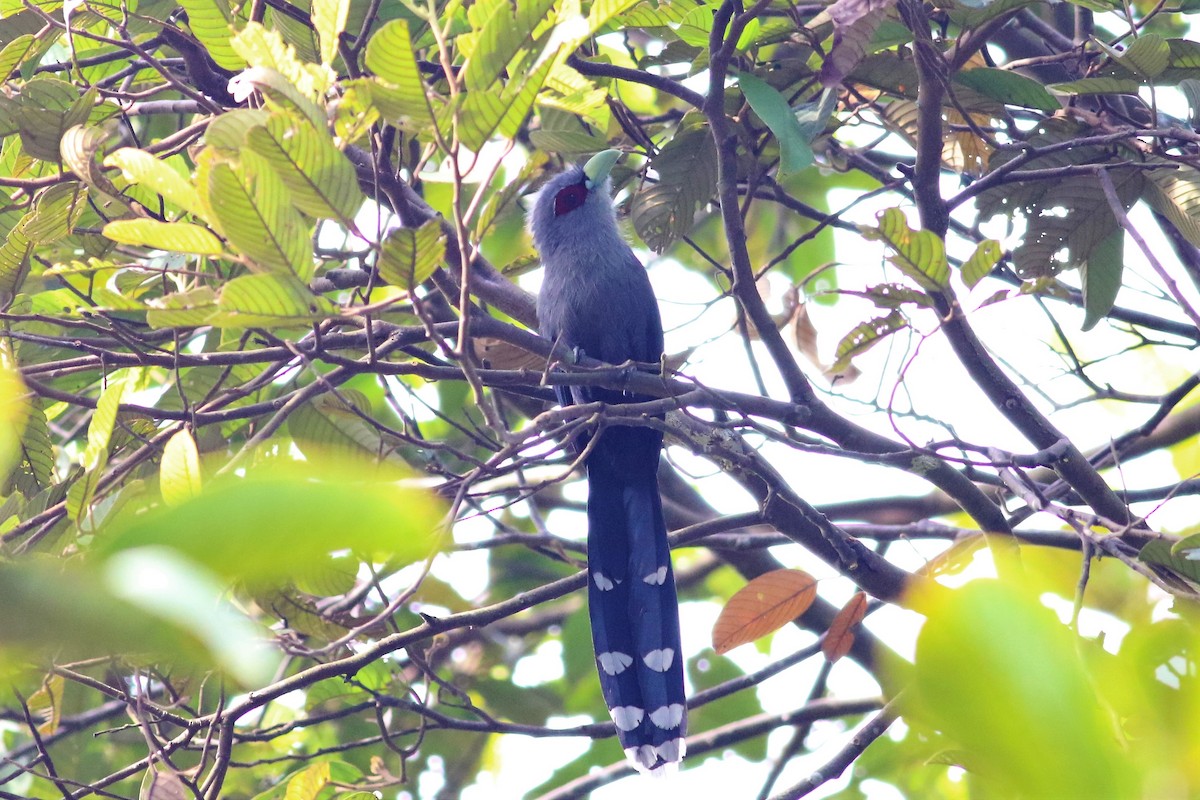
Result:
[596,299]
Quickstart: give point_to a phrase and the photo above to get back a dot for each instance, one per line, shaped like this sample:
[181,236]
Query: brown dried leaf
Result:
[804,333]
[763,606]
[840,636]
[498,354]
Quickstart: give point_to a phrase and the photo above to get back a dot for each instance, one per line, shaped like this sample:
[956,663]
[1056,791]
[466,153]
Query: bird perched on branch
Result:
[596,298]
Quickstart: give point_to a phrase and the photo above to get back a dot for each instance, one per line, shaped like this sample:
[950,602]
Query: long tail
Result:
[631,598]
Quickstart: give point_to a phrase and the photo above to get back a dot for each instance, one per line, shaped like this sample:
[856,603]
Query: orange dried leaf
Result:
[763,606]
[840,636]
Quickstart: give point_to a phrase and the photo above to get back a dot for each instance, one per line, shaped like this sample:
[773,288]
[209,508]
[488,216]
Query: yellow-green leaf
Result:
[179,472]
[921,255]
[212,23]
[390,56]
[322,180]
[329,19]
[256,215]
[176,237]
[268,300]
[987,254]
[145,169]
[407,257]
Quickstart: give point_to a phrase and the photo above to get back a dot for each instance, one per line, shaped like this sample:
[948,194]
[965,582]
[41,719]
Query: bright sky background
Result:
[938,388]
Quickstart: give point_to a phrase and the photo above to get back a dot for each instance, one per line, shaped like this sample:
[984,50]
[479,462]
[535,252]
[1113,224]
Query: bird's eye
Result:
[569,199]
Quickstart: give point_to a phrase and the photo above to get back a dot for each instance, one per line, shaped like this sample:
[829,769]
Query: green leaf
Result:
[145,169]
[1175,193]
[408,257]
[1178,558]
[160,582]
[1146,57]
[72,613]
[279,91]
[95,455]
[183,309]
[322,180]
[268,301]
[284,520]
[865,336]
[568,143]
[1010,88]
[1102,277]
[602,11]
[309,782]
[37,450]
[687,180]
[1098,86]
[921,255]
[987,254]
[179,472]
[48,108]
[227,132]
[773,109]
[257,217]
[15,52]
[56,210]
[212,23]
[390,56]
[327,426]
[176,237]
[505,32]
[329,20]
[974,681]
[481,113]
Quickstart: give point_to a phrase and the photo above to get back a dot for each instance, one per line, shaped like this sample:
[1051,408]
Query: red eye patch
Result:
[569,199]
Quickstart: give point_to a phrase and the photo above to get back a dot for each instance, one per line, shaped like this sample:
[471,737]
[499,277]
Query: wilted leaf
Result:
[763,606]
[866,335]
[46,704]
[921,255]
[840,636]
[164,785]
[854,23]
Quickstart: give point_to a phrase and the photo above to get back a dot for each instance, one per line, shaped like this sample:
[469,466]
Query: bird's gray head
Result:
[574,209]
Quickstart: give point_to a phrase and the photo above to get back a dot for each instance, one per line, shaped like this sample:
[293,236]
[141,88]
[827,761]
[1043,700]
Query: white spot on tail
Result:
[615,662]
[672,751]
[602,582]
[668,717]
[659,577]
[659,660]
[627,717]
[657,760]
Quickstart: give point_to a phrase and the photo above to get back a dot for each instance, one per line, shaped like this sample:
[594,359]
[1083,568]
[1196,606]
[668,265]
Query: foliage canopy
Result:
[284,513]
